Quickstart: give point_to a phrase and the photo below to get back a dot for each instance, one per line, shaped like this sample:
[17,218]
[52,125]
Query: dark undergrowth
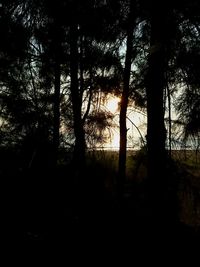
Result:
[61,204]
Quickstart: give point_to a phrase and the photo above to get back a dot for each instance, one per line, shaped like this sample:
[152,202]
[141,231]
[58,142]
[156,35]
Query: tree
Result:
[125,97]
[156,133]
[164,24]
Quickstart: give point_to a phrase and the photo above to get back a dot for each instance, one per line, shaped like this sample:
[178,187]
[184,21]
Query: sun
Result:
[112,104]
[136,124]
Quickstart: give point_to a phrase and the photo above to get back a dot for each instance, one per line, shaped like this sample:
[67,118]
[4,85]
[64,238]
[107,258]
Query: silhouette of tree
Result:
[187,103]
[166,30]
[131,21]
[13,53]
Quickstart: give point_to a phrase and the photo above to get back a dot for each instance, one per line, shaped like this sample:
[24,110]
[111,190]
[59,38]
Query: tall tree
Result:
[156,133]
[165,25]
[125,96]
[79,150]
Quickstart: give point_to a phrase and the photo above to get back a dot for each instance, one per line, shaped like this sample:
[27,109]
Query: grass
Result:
[189,187]
[188,172]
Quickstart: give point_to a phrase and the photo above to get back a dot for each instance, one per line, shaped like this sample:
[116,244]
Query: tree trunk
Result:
[123,111]
[156,133]
[79,149]
[56,128]
[56,104]
[170,122]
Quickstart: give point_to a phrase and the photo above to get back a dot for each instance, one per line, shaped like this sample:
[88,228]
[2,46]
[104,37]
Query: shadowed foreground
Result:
[55,205]
[56,211]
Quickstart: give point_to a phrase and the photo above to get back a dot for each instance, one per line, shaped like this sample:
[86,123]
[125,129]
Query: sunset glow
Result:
[112,104]
[136,122]
[114,144]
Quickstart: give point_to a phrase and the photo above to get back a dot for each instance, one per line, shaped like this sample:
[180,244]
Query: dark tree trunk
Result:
[123,111]
[79,149]
[156,133]
[170,122]
[56,128]
[56,104]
